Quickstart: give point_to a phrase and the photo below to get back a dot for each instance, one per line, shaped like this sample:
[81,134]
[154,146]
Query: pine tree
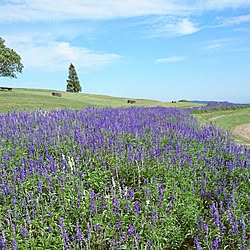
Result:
[73,83]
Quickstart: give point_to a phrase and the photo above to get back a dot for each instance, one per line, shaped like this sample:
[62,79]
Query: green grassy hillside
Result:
[227,119]
[31,99]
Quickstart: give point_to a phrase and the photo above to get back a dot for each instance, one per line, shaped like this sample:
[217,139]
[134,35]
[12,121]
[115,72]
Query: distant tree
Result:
[73,83]
[10,61]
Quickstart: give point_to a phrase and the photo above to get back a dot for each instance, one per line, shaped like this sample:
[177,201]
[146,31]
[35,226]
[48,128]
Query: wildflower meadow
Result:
[124,178]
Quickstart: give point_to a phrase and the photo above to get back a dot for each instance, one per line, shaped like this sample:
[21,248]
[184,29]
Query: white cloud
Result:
[54,55]
[220,43]
[171,59]
[236,20]
[176,16]
[214,46]
[27,10]
[172,26]
[185,27]
[222,4]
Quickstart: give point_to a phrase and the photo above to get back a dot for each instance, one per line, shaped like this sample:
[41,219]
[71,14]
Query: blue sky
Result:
[154,49]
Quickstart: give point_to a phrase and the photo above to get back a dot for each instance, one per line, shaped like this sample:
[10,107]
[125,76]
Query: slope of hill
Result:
[32,99]
[236,120]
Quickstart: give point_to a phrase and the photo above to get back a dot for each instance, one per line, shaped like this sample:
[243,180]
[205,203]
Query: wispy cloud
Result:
[171,59]
[220,43]
[214,45]
[185,27]
[222,4]
[170,26]
[54,55]
[35,10]
[236,20]
[26,10]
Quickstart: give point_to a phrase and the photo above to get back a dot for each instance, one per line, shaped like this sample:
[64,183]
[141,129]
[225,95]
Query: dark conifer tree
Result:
[73,83]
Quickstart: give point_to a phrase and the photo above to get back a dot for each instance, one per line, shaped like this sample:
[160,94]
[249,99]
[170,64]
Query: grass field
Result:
[33,99]
[227,119]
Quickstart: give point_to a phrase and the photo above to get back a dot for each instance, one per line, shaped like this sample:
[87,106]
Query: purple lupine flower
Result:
[9,214]
[131,194]
[215,213]
[215,244]
[124,193]
[197,243]
[39,187]
[235,228]
[52,166]
[78,232]
[92,203]
[230,166]
[103,207]
[4,191]
[137,240]
[103,163]
[24,231]
[161,190]
[112,190]
[229,215]
[154,216]
[51,186]
[150,246]
[119,223]
[13,227]
[205,226]
[96,227]
[127,208]
[14,245]
[171,197]
[201,223]
[221,207]
[112,243]
[118,243]
[137,207]
[122,234]
[221,226]
[60,223]
[66,239]
[131,230]
[232,201]
[243,226]
[169,208]
[3,243]
[115,205]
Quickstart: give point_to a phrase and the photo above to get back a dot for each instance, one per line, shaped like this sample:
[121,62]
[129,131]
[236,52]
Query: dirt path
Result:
[243,130]
[216,118]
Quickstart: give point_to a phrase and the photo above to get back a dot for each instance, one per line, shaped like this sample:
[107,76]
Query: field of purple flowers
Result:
[135,178]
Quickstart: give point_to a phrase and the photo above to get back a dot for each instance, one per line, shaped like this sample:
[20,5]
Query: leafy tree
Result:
[73,83]
[10,61]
